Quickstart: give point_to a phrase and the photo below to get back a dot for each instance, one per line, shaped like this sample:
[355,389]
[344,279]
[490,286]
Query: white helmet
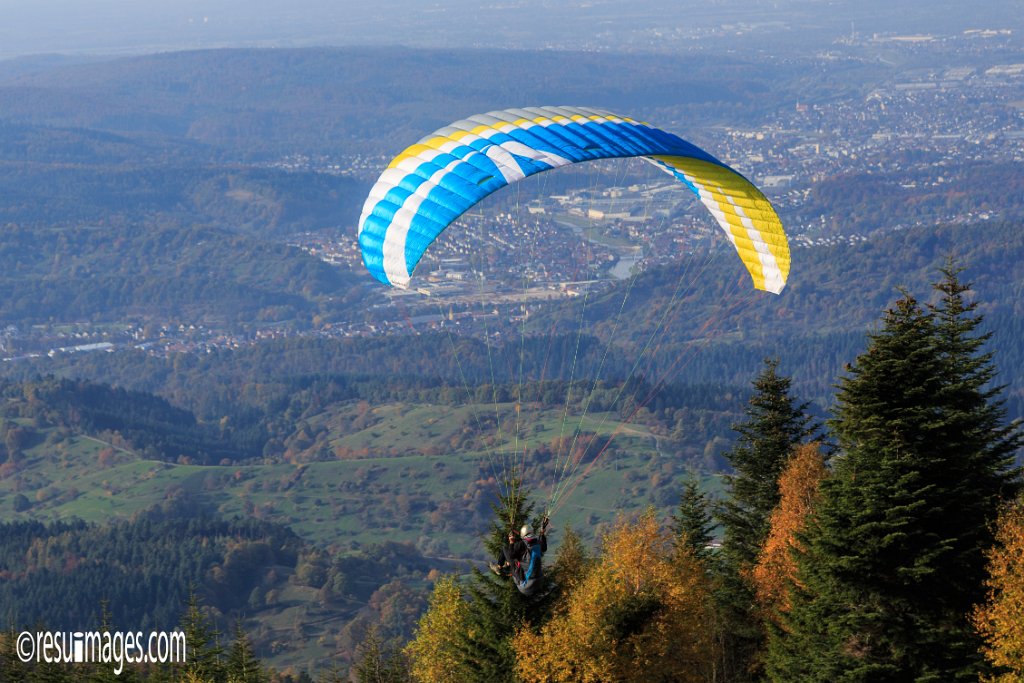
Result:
[527,530]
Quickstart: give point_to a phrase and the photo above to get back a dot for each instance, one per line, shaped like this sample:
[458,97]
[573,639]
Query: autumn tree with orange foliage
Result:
[799,487]
[1001,619]
[644,613]
[776,422]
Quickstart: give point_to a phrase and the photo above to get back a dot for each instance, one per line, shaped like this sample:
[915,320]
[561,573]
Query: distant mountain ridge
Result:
[665,25]
[351,100]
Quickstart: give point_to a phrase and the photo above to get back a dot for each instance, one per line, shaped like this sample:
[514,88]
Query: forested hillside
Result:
[297,431]
[211,415]
[834,295]
[919,428]
[297,602]
[122,272]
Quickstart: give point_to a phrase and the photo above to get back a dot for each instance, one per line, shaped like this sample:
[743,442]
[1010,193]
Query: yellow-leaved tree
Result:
[433,653]
[1001,619]
[642,613]
[799,486]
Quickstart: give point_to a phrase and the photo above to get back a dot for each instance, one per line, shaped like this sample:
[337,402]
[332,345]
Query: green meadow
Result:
[406,476]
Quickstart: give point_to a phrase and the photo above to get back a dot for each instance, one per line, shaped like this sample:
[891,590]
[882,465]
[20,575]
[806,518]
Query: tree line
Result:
[235,421]
[139,574]
[816,326]
[143,567]
[209,656]
[883,545]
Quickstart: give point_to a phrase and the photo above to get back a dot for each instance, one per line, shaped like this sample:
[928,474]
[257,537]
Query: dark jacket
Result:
[533,550]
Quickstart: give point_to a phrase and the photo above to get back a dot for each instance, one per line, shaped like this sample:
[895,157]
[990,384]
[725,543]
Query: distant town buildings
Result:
[505,259]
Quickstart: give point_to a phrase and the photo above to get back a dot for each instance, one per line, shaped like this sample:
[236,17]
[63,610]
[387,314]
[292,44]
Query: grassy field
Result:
[406,496]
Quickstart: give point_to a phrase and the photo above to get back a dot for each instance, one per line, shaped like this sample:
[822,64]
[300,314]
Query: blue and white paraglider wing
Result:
[434,181]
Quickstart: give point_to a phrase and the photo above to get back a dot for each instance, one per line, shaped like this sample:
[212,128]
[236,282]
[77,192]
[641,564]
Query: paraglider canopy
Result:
[431,183]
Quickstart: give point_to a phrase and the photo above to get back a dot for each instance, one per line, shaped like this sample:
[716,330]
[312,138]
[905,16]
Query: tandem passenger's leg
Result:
[504,563]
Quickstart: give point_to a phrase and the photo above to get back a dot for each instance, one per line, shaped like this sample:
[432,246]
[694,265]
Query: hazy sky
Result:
[133,26]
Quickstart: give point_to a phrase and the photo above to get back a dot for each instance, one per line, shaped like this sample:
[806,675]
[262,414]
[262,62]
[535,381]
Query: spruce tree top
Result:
[775,425]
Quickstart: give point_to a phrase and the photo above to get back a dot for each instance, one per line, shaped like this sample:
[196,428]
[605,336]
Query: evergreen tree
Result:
[333,674]
[571,566]
[379,663]
[242,665]
[890,569]
[106,672]
[49,672]
[692,523]
[775,425]
[981,443]
[497,609]
[11,667]
[201,642]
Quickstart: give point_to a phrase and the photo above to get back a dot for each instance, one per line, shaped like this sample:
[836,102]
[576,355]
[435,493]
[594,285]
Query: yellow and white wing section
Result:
[436,180]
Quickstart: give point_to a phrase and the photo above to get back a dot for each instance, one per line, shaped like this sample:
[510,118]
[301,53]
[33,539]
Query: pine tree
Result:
[775,424]
[242,665]
[49,672]
[497,608]
[106,672]
[890,570]
[378,663]
[571,566]
[11,667]
[981,443]
[333,674]
[201,642]
[692,523]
